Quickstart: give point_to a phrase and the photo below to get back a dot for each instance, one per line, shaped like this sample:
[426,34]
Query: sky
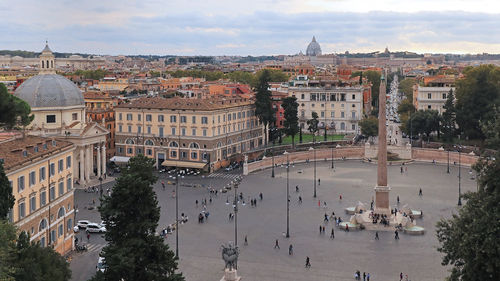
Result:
[256,27]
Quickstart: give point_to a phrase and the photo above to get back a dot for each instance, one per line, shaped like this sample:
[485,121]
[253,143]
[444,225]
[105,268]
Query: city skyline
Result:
[264,28]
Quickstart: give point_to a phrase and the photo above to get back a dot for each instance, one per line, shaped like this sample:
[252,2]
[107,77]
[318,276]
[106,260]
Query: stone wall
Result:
[403,152]
[302,156]
[441,156]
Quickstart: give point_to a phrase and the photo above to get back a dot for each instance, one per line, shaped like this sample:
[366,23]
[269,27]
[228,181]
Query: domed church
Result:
[59,110]
[313,49]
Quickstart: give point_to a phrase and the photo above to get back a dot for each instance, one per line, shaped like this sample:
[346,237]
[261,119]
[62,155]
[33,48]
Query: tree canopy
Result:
[406,87]
[263,103]
[313,125]
[374,78]
[448,118]
[14,111]
[291,123]
[134,251]
[7,199]
[423,122]
[369,126]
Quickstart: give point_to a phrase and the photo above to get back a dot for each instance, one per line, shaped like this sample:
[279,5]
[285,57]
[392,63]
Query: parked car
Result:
[103,224]
[95,228]
[82,223]
[101,264]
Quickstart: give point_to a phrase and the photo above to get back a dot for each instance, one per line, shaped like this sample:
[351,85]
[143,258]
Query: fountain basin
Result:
[350,211]
[416,214]
[414,230]
[352,226]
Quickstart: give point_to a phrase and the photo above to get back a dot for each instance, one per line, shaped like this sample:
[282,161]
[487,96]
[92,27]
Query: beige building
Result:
[430,98]
[59,110]
[40,171]
[188,132]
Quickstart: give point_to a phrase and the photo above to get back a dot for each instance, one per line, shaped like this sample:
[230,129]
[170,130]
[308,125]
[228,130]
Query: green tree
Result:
[7,199]
[34,262]
[313,125]
[14,111]
[423,122]
[263,103]
[369,126]
[406,87]
[291,123]
[134,251]
[448,117]
[374,78]
[405,110]
[477,95]
[7,250]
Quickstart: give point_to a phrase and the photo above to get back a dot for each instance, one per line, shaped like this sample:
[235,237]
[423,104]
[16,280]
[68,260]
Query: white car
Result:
[95,228]
[82,223]
[101,264]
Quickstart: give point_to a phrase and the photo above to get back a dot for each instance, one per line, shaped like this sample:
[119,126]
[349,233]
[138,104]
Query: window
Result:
[429,106]
[60,165]
[51,119]
[174,144]
[149,151]
[70,225]
[148,142]
[129,117]
[138,117]
[204,120]
[193,131]
[60,230]
[194,145]
[193,120]
[342,126]
[42,174]
[429,96]
[149,129]
[183,131]
[69,183]
[52,192]
[229,117]
[52,236]
[22,209]
[322,114]
[32,178]
[139,129]
[148,117]
[120,150]
[74,116]
[342,114]
[129,150]
[173,118]
[204,132]
[43,198]
[342,97]
[68,162]
[129,128]
[302,96]
[444,96]
[332,114]
[184,154]
[32,203]
[160,132]
[42,225]
[173,154]
[61,188]
[353,97]
[183,119]
[173,131]
[119,116]
[302,114]
[353,126]
[194,155]
[353,115]
[120,128]
[20,183]
[161,118]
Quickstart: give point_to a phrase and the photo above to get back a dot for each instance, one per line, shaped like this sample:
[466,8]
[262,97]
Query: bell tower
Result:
[47,61]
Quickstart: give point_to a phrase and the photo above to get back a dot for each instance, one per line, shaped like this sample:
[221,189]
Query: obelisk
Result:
[382,190]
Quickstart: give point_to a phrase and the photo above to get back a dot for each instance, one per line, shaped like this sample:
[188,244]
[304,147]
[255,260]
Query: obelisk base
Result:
[230,275]
[382,200]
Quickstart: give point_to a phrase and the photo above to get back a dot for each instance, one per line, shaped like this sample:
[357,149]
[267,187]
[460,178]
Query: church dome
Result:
[50,90]
[313,49]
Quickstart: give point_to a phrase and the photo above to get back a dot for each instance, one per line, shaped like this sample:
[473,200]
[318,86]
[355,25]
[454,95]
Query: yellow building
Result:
[40,173]
[110,84]
[188,132]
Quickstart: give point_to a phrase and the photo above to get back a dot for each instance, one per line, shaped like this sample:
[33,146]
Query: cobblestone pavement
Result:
[331,259]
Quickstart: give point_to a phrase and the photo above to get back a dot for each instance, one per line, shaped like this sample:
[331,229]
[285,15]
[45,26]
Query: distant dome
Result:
[50,90]
[313,49]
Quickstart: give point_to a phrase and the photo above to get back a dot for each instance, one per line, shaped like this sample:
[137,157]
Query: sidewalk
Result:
[94,182]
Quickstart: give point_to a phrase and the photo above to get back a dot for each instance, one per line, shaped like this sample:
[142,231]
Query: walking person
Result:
[401,276]
[396,235]
[320,229]
[364,276]
[88,236]
[398,199]
[376,235]
[290,250]
[300,199]
[319,203]
[196,202]
[332,235]
[319,181]
[420,192]
[277,244]
[308,263]
[368,277]
[246,241]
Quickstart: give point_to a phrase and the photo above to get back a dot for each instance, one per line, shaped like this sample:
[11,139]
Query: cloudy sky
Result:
[250,27]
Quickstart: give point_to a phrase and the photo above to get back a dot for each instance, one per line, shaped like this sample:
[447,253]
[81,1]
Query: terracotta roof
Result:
[186,104]
[12,151]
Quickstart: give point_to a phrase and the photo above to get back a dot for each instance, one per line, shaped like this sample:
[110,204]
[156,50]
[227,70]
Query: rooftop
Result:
[185,104]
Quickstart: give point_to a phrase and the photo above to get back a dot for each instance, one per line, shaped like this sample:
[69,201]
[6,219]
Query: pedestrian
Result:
[324,204]
[364,276]
[88,236]
[340,197]
[332,235]
[420,192]
[401,276]
[196,202]
[324,229]
[296,188]
[319,203]
[261,196]
[163,185]
[368,277]
[319,181]
[347,227]
[276,244]
[406,169]
[93,201]
[396,234]
[300,199]
[401,169]
[376,235]
[308,262]
[210,200]
[290,250]
[320,229]
[398,199]
[246,241]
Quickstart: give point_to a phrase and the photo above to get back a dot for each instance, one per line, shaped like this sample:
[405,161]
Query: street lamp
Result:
[314,152]
[272,173]
[448,171]
[333,166]
[458,147]
[177,216]
[287,196]
[100,187]
[235,206]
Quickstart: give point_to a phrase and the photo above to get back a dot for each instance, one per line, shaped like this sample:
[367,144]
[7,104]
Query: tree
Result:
[477,95]
[263,104]
[406,87]
[15,111]
[34,262]
[405,110]
[369,126]
[291,123]
[423,122]
[374,78]
[7,250]
[134,251]
[313,125]
[469,240]
[448,117]
[7,199]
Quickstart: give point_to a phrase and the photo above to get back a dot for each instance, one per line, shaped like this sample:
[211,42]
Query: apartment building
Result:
[193,133]
[433,95]
[40,173]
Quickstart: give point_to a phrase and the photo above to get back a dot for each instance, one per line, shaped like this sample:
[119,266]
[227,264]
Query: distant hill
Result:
[29,54]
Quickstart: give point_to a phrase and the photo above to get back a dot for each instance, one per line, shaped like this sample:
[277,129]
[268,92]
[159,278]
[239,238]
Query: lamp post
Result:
[314,152]
[177,216]
[235,206]
[100,187]
[459,179]
[272,171]
[333,166]
[448,171]
[287,196]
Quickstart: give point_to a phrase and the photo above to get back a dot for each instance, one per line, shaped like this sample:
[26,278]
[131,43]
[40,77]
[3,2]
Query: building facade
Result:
[194,133]
[40,171]
[430,98]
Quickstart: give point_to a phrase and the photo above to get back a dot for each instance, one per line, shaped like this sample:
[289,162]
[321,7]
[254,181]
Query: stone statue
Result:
[230,255]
